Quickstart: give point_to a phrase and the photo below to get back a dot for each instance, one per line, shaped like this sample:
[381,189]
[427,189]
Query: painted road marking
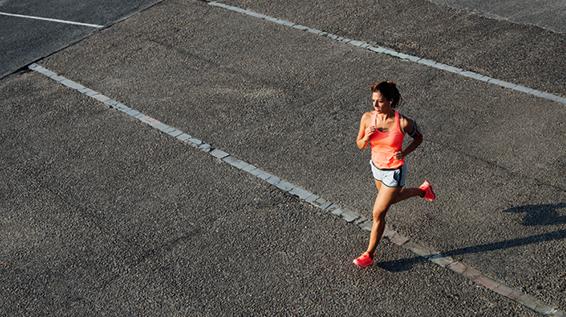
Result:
[393,53]
[51,20]
[348,215]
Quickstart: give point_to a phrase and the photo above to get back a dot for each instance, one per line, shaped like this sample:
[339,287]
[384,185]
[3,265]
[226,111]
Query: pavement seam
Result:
[348,215]
[390,52]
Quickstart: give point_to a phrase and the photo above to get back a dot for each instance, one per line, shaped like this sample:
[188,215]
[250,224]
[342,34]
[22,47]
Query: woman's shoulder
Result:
[404,120]
[367,115]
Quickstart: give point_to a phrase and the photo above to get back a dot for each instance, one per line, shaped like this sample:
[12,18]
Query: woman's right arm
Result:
[363,135]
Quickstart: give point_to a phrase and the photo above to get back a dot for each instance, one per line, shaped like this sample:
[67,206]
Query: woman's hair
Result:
[388,89]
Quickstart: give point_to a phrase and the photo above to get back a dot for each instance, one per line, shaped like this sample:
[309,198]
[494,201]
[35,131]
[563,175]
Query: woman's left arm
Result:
[410,127]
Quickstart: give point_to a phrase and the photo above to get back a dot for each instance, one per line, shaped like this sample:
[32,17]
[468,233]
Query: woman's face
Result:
[380,104]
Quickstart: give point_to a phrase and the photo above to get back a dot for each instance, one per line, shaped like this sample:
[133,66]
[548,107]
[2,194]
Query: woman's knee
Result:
[379,214]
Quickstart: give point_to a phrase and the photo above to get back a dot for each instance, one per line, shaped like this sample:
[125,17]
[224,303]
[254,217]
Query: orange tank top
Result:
[384,144]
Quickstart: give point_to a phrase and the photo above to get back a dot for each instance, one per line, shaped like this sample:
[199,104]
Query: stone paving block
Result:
[524,89]
[271,19]
[504,290]
[528,301]
[546,309]
[111,103]
[58,78]
[331,208]
[360,220]
[145,119]
[133,113]
[471,273]
[46,72]
[274,180]
[232,161]
[300,27]
[376,49]
[419,249]
[449,68]
[486,282]
[408,57]
[219,153]
[300,192]
[441,260]
[249,167]
[195,141]
[501,83]
[365,225]
[184,136]
[90,92]
[457,267]
[175,133]
[101,98]
[122,107]
[205,147]
[263,175]
[332,36]
[474,75]
[319,202]
[281,184]
[388,231]
[255,14]
[558,99]
[311,199]
[313,31]
[325,205]
[337,211]
[286,23]
[398,239]
[427,62]
[349,216]
[255,172]
[71,84]
[356,43]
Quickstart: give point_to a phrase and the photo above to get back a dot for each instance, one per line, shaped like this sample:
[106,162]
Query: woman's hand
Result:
[369,131]
[399,155]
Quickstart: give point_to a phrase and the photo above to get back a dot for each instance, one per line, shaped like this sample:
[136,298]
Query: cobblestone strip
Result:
[393,53]
[347,215]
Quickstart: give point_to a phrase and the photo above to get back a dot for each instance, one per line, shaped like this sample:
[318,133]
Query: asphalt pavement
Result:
[182,234]
[549,14]
[26,40]
[105,216]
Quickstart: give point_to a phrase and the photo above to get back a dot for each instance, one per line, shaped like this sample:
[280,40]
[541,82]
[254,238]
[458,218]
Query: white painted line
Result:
[347,215]
[403,56]
[51,20]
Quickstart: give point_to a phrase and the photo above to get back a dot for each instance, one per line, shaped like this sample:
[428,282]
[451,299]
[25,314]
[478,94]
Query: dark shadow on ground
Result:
[536,215]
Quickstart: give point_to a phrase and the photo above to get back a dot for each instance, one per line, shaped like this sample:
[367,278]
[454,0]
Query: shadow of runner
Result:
[541,215]
[536,215]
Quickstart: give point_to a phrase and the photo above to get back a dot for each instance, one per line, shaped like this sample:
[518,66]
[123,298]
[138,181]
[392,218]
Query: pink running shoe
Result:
[363,260]
[429,195]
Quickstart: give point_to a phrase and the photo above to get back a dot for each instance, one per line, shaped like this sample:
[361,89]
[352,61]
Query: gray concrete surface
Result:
[549,14]
[281,99]
[103,215]
[23,41]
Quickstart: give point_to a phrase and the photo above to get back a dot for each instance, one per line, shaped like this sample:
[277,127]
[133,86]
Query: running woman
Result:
[384,129]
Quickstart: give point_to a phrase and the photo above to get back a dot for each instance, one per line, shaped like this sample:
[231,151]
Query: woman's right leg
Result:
[383,201]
